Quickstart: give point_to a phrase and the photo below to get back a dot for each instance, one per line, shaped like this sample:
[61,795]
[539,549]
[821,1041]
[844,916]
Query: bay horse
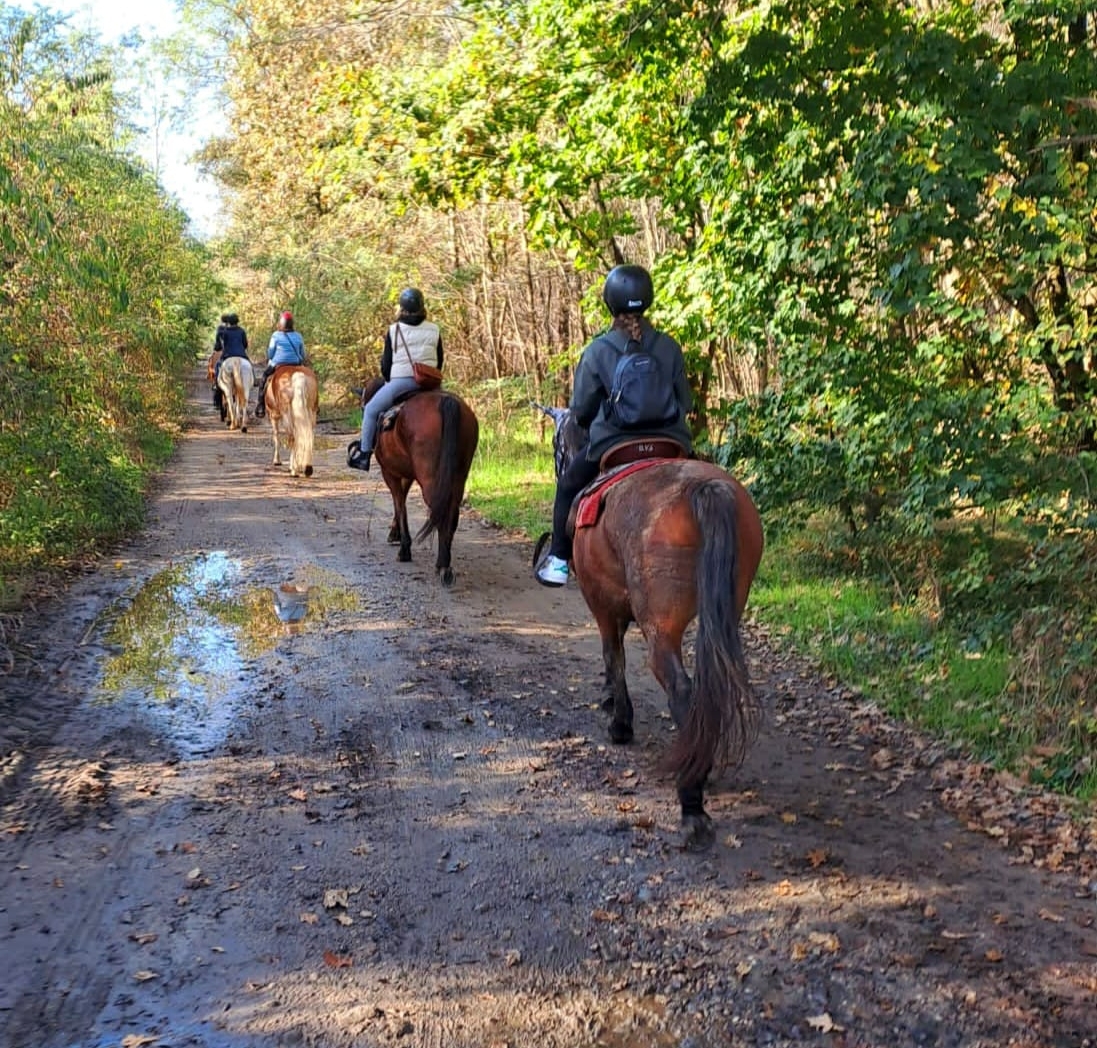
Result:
[670,542]
[292,401]
[430,441]
[235,380]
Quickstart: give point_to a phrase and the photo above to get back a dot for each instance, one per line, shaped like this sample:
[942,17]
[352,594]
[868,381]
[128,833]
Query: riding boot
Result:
[261,401]
[357,458]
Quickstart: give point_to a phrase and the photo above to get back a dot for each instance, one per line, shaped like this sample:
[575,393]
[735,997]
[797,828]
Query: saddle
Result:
[620,461]
[389,416]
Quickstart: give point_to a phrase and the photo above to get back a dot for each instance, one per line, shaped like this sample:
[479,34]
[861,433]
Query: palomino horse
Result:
[431,442]
[670,542]
[292,403]
[235,380]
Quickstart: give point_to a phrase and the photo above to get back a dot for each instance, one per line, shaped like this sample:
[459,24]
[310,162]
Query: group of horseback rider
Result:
[630,383]
[286,346]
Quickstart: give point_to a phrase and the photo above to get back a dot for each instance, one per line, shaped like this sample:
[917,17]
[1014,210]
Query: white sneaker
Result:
[553,572]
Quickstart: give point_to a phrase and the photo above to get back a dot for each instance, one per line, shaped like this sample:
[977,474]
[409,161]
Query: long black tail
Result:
[725,714]
[449,488]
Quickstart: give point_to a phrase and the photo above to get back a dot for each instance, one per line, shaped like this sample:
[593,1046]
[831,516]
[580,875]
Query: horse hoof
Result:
[394,538]
[308,471]
[698,832]
[403,556]
[621,734]
[447,577]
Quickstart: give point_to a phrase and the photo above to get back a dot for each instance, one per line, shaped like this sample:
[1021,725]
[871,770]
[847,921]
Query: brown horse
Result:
[674,541]
[431,441]
[292,403]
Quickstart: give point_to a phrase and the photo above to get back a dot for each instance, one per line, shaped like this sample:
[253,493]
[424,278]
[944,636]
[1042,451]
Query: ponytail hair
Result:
[630,324]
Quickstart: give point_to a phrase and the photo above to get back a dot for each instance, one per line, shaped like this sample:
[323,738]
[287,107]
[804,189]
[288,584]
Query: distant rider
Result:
[286,347]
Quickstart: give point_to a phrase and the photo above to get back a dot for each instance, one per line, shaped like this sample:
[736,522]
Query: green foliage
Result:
[103,297]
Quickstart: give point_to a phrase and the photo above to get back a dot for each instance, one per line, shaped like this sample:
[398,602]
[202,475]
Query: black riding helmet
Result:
[411,302]
[628,289]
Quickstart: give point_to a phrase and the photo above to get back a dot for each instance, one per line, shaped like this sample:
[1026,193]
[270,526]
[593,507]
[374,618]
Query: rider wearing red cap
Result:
[286,347]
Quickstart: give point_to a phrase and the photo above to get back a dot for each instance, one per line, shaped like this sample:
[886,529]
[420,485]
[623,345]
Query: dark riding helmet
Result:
[411,301]
[628,289]
[232,318]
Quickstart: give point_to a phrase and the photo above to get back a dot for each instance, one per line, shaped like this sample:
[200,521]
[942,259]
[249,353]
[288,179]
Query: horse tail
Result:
[239,382]
[247,378]
[445,503]
[303,420]
[725,714]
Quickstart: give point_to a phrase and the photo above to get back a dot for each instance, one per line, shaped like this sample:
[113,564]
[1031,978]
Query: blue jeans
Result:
[379,403]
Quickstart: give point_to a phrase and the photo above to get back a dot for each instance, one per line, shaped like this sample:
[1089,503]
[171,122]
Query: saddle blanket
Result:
[589,504]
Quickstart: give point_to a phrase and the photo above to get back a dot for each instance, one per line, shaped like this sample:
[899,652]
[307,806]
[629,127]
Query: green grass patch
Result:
[512,482]
[1017,698]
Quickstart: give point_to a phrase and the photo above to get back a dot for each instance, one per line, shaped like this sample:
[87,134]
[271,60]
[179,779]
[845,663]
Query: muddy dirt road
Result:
[398,821]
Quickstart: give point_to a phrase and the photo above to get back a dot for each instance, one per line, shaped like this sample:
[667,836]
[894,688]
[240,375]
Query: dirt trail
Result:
[400,821]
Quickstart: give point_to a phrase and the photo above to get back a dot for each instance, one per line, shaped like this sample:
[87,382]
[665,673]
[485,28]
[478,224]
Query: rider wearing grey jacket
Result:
[627,293]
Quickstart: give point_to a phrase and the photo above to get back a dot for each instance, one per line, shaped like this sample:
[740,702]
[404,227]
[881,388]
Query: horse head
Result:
[365,393]
[568,438]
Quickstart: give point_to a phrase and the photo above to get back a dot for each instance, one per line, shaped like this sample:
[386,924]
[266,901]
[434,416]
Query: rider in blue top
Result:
[286,346]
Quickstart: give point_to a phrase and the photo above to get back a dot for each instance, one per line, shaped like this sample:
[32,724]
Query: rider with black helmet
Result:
[627,294]
[411,338]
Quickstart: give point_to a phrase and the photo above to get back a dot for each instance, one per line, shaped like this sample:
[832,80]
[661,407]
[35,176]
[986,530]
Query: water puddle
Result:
[184,643]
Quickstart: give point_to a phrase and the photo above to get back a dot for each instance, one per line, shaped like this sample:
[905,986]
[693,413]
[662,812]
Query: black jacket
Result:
[234,341]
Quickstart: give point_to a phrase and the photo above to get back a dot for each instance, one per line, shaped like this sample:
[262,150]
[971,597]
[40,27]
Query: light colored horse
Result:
[292,402]
[235,380]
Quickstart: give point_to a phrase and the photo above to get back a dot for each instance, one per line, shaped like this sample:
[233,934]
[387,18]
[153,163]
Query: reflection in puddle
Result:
[291,601]
[184,643]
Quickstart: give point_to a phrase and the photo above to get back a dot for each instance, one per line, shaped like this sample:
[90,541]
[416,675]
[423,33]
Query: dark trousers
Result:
[576,477]
[260,406]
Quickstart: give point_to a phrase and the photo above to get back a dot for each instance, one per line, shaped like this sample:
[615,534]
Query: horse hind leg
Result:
[277,461]
[400,530]
[615,696]
[665,653]
[443,563]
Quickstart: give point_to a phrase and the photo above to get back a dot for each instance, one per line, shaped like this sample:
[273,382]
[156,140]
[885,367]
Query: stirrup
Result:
[356,457]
